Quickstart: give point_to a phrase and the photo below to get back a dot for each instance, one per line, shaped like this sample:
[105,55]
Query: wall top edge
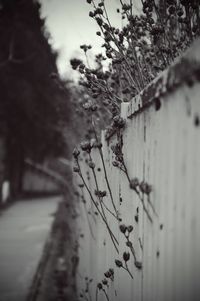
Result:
[185,70]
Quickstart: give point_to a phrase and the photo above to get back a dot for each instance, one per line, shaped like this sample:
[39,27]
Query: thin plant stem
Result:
[140,242]
[112,236]
[132,250]
[127,269]
[96,295]
[143,204]
[110,211]
[100,200]
[97,187]
[152,206]
[87,60]
[119,48]
[137,192]
[104,169]
[86,298]
[89,225]
[107,298]
[89,294]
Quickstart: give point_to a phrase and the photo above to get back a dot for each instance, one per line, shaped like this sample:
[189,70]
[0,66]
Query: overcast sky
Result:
[70,26]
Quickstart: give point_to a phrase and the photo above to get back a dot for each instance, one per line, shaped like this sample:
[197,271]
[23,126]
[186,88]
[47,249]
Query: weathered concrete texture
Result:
[24,229]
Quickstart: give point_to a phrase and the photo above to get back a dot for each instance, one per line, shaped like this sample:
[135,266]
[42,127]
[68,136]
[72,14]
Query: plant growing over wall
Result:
[96,143]
[140,188]
[124,264]
[100,287]
[146,44]
[87,146]
[86,293]
[87,213]
[104,284]
[126,230]
[136,53]
[100,210]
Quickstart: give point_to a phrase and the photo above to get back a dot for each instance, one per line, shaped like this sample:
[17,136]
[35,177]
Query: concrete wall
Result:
[161,146]
[35,182]
[39,179]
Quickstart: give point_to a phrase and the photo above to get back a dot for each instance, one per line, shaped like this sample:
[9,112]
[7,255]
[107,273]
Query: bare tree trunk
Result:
[15,166]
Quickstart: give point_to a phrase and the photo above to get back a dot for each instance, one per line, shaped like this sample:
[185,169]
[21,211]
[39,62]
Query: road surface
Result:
[24,229]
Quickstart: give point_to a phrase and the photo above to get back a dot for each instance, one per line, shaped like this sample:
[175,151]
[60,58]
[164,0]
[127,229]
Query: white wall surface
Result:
[162,148]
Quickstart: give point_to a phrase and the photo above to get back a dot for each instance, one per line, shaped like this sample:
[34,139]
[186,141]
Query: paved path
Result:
[24,228]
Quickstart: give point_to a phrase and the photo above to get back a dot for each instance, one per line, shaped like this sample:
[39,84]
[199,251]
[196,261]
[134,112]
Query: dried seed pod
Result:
[126,256]
[134,183]
[130,228]
[138,265]
[105,282]
[107,274]
[123,228]
[91,14]
[115,163]
[76,169]
[118,263]
[86,146]
[76,152]
[145,187]
[91,164]
[129,244]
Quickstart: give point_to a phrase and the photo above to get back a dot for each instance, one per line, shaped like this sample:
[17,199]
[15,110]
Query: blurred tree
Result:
[33,109]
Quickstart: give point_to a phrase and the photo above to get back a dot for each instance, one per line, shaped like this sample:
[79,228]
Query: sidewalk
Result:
[24,229]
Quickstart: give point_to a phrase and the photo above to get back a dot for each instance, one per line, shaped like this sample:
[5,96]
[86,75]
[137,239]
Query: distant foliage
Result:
[33,108]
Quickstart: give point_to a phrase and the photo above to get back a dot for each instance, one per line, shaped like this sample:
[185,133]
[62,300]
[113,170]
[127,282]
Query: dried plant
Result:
[146,44]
